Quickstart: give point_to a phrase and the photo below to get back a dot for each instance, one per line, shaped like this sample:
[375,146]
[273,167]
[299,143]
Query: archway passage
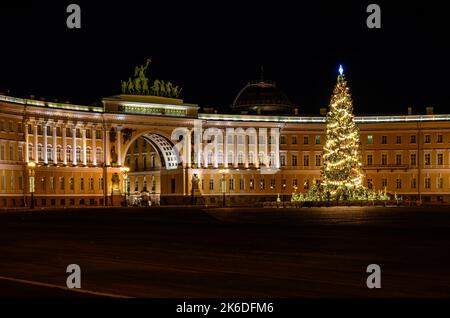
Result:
[165,150]
[151,158]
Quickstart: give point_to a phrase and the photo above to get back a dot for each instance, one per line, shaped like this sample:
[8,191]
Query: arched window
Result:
[261,158]
[99,155]
[79,159]
[210,158]
[59,154]
[88,155]
[69,154]
[240,158]
[250,158]
[30,152]
[230,157]
[40,153]
[49,153]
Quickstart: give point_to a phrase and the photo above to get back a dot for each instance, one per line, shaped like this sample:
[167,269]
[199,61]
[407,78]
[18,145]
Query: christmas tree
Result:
[342,173]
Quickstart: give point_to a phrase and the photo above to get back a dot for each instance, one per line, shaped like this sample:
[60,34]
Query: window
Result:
[262,184]
[79,159]
[88,133]
[413,183]
[369,184]
[384,159]
[252,184]
[71,184]
[20,182]
[369,139]
[43,184]
[440,139]
[231,183]
[30,152]
[49,130]
[11,152]
[272,184]
[294,160]
[283,159]
[49,153]
[52,184]
[58,131]
[20,152]
[136,184]
[294,183]
[40,153]
[251,139]
[294,140]
[440,159]
[305,140]
[413,161]
[68,132]
[78,132]
[398,140]
[240,158]
[283,184]
[61,184]
[98,134]
[261,158]
[427,183]
[370,160]
[317,139]
[398,159]
[306,184]
[100,184]
[241,183]
[99,155]
[398,183]
[81,184]
[211,184]
[412,139]
[427,139]
[306,160]
[384,183]
[440,183]
[251,159]
[230,157]
[173,185]
[11,126]
[68,154]
[19,128]
[384,140]
[427,159]
[282,140]
[88,155]
[318,160]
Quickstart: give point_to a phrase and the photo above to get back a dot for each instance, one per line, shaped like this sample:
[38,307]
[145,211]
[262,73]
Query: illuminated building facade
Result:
[180,155]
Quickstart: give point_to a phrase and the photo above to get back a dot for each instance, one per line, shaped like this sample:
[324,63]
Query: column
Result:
[225,149]
[106,151]
[119,145]
[83,132]
[236,150]
[94,145]
[26,143]
[55,145]
[188,149]
[64,144]
[44,133]
[35,131]
[74,145]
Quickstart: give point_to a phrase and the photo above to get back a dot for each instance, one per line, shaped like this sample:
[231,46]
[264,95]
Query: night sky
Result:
[214,48]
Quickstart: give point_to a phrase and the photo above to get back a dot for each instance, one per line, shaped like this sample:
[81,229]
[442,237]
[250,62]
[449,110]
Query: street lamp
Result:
[31,166]
[224,184]
[125,171]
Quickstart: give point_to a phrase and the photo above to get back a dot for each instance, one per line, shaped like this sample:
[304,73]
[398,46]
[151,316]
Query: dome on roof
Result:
[262,97]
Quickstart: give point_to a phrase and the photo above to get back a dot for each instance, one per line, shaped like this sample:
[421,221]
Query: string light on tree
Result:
[342,174]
